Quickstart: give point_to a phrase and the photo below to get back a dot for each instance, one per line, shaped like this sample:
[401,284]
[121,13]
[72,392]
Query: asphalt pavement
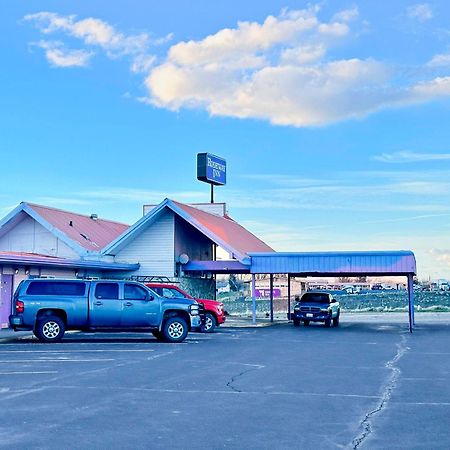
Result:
[367,384]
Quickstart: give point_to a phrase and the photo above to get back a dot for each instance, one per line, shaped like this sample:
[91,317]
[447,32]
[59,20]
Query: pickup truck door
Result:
[105,306]
[140,309]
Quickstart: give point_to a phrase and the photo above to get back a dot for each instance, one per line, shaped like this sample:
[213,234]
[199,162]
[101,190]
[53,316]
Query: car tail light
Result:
[20,307]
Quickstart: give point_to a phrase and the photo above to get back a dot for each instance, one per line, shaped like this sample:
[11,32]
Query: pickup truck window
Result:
[134,292]
[172,293]
[107,291]
[75,288]
[315,298]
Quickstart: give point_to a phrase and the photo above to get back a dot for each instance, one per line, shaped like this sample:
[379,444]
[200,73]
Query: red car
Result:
[214,311]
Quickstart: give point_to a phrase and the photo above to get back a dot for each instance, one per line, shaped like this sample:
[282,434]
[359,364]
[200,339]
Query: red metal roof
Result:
[229,231]
[91,234]
[27,255]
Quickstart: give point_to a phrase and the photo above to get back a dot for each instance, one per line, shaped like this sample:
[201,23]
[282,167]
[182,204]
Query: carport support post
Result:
[289,297]
[253,298]
[271,297]
[411,301]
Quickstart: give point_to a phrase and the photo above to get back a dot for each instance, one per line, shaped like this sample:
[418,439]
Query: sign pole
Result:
[212,193]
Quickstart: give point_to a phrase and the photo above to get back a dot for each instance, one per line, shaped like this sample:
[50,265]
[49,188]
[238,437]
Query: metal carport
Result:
[331,264]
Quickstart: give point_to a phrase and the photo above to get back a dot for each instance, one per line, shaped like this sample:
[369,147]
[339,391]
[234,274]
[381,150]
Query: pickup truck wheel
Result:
[336,320]
[50,329]
[328,323]
[296,322]
[210,323]
[175,329]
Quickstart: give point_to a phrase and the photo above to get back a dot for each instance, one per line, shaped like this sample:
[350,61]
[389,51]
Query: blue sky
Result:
[333,116]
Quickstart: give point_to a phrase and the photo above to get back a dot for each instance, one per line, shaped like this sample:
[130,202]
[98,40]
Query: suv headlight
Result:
[193,309]
[220,309]
[297,308]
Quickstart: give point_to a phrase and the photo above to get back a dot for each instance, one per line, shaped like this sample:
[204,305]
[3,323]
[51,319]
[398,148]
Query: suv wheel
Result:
[296,322]
[50,329]
[306,323]
[175,329]
[210,323]
[328,323]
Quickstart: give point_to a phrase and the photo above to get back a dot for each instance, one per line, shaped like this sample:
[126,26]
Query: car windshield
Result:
[315,298]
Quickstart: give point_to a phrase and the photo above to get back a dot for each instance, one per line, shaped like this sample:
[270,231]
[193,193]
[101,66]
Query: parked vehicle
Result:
[49,307]
[316,307]
[214,310]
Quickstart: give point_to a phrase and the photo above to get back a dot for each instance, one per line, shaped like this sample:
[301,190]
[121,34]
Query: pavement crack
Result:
[390,385]
[251,368]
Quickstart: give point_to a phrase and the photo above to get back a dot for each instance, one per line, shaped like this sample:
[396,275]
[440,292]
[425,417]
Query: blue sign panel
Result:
[211,169]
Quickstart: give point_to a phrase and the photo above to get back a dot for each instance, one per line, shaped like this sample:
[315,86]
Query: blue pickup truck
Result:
[316,306]
[49,307]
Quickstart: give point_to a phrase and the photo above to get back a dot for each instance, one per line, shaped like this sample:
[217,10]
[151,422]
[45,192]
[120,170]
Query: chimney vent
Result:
[94,216]
[70,223]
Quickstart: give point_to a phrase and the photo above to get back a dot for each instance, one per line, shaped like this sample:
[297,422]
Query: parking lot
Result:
[367,384]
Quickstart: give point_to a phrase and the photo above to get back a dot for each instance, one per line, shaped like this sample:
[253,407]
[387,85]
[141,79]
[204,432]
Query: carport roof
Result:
[395,262]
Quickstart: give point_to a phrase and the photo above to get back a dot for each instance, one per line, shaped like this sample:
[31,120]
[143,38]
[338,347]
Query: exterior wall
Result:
[190,241]
[31,237]
[153,249]
[199,287]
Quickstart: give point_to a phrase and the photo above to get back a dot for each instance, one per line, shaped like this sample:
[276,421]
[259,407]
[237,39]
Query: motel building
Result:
[186,243]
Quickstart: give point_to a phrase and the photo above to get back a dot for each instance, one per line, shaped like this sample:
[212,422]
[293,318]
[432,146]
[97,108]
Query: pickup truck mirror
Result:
[150,297]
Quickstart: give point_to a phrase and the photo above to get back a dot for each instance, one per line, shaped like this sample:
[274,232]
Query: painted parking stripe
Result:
[74,351]
[44,372]
[47,360]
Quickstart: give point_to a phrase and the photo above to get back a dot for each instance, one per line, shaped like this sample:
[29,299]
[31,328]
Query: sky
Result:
[333,116]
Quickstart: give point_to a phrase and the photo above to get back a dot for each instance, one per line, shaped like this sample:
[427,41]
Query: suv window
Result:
[73,288]
[107,291]
[134,292]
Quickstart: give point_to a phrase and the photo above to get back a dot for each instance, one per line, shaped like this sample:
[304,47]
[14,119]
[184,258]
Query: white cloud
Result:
[440,60]
[91,31]
[142,63]
[94,33]
[248,38]
[408,157]
[58,56]
[346,15]
[421,12]
[302,55]
[279,71]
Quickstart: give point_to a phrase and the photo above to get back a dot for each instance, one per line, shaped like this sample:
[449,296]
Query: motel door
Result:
[6,291]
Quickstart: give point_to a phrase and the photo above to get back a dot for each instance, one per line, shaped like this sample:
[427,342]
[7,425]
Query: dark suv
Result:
[316,307]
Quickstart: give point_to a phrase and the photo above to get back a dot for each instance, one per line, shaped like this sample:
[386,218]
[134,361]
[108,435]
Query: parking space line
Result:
[47,360]
[72,351]
[28,373]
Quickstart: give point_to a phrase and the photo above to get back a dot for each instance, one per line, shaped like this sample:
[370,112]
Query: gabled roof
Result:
[223,231]
[81,233]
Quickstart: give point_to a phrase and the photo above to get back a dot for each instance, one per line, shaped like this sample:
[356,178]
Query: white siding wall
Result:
[31,237]
[153,248]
